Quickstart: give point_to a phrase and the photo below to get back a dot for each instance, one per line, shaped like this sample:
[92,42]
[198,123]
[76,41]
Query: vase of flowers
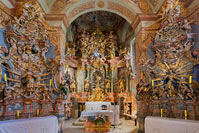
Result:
[100,119]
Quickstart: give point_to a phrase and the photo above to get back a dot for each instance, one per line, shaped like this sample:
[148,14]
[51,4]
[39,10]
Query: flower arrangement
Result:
[100,119]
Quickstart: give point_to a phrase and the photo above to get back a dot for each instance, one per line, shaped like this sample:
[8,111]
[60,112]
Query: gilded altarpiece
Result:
[169,66]
[101,70]
[29,65]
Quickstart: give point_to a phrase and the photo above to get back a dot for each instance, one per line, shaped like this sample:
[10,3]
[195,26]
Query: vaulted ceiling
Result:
[70,10]
[145,6]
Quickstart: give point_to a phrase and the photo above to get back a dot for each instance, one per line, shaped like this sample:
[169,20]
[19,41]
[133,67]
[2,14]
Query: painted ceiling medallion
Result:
[100,4]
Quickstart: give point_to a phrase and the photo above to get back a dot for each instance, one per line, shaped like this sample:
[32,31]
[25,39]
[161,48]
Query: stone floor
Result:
[127,126]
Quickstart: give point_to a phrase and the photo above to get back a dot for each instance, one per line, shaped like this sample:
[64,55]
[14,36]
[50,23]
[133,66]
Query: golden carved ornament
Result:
[101,4]
[144,6]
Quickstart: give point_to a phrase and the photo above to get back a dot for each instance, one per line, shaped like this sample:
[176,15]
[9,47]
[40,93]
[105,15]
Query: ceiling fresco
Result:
[98,20]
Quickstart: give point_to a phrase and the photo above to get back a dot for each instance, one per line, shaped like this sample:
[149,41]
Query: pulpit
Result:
[98,116]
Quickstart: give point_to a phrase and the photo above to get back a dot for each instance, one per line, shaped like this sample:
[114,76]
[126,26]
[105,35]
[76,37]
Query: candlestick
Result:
[37,112]
[5,77]
[18,114]
[161,112]
[152,82]
[185,114]
[190,79]
[50,82]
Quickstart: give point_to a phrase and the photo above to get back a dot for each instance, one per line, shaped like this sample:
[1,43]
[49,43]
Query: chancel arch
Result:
[117,7]
[98,49]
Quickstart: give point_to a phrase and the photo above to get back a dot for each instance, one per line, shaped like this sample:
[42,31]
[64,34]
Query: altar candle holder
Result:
[161,112]
[152,82]
[185,114]
[50,83]
[5,78]
[18,113]
[190,79]
[37,112]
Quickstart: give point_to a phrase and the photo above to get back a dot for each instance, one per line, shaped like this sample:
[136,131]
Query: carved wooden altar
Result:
[101,71]
[28,66]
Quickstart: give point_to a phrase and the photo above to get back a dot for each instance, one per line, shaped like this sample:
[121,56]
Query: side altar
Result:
[29,67]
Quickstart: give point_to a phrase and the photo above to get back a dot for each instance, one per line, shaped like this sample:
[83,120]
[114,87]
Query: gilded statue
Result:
[97,94]
[86,85]
[108,85]
[73,86]
[121,85]
[13,48]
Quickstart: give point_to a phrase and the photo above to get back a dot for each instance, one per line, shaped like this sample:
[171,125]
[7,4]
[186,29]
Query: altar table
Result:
[170,125]
[96,105]
[97,112]
[90,116]
[47,124]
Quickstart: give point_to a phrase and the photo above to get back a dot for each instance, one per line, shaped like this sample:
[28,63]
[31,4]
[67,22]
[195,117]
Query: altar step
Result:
[79,122]
[127,126]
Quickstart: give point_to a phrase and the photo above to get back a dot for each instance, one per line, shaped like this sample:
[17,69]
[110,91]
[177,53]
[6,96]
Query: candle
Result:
[37,112]
[190,79]
[50,82]
[18,113]
[161,112]
[152,83]
[5,77]
[185,114]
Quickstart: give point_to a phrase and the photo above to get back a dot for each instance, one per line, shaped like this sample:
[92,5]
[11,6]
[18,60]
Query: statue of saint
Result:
[108,86]
[121,85]
[73,86]
[63,86]
[86,85]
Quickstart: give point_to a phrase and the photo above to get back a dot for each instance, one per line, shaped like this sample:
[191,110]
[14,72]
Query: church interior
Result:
[118,66]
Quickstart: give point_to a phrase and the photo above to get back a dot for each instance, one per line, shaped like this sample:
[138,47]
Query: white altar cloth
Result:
[170,125]
[96,105]
[97,112]
[47,124]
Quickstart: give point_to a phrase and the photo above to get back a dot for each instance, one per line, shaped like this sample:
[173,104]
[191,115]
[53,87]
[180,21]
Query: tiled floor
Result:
[127,126]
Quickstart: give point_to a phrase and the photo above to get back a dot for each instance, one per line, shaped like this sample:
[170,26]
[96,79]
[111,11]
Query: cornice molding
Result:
[143,17]
[57,17]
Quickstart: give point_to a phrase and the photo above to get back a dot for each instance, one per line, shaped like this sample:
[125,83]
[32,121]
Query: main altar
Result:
[97,69]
